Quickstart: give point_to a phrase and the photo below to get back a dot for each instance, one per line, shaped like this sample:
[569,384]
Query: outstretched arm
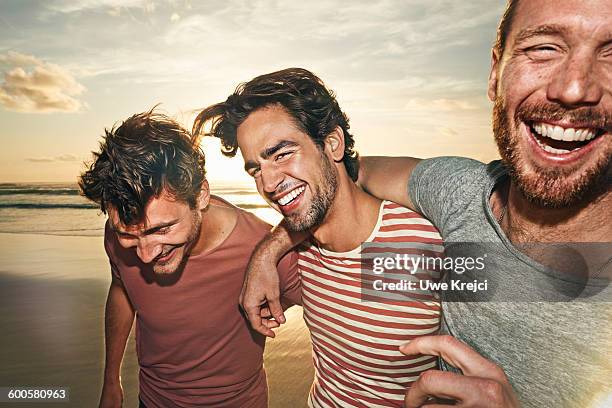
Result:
[118,318]
[260,295]
[387,177]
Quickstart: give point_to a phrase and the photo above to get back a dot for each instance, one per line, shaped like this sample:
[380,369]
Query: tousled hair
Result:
[505,25]
[299,92]
[149,153]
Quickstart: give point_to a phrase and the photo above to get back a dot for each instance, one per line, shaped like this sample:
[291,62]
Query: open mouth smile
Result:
[165,256]
[291,196]
[562,140]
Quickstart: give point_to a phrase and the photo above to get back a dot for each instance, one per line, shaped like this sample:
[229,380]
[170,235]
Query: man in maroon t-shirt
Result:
[178,258]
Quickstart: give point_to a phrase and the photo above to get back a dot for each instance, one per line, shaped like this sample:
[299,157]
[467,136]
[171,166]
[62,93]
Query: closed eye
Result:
[163,230]
[254,172]
[543,52]
[283,155]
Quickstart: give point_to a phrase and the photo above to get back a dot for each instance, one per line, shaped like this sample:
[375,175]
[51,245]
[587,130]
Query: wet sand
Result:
[52,294]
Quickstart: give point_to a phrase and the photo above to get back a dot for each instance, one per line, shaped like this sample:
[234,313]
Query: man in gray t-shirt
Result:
[549,331]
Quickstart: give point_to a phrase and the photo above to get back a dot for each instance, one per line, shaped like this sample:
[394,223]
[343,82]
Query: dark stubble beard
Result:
[550,187]
[192,238]
[324,194]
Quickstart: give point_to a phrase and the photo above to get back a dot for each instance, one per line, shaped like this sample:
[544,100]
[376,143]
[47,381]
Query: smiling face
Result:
[166,237]
[552,89]
[292,174]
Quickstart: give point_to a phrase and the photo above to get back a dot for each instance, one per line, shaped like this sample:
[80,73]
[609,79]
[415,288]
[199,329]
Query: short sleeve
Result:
[110,243]
[438,186]
[289,280]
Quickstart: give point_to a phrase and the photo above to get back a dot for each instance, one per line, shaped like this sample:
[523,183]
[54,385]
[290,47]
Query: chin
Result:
[169,267]
[551,178]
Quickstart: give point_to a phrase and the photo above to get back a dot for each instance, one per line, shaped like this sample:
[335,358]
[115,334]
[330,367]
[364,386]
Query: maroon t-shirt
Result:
[194,346]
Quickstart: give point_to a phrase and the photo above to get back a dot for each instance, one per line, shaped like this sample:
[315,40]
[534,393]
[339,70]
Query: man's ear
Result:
[493,75]
[204,197]
[334,144]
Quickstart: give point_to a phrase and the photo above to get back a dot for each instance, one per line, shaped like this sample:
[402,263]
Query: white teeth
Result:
[569,135]
[556,151]
[563,134]
[552,149]
[287,198]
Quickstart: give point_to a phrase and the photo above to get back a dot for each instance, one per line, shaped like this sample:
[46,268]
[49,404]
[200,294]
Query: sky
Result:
[411,75]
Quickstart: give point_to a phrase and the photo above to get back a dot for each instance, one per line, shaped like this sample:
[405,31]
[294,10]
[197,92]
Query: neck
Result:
[524,221]
[349,220]
[218,221]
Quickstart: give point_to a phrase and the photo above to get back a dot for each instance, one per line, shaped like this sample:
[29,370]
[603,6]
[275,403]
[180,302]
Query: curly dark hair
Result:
[302,94]
[148,154]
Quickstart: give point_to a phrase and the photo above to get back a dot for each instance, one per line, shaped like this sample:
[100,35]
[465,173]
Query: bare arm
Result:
[260,297]
[118,319]
[387,177]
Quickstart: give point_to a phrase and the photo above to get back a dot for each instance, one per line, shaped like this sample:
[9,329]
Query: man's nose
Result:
[577,81]
[271,178]
[147,250]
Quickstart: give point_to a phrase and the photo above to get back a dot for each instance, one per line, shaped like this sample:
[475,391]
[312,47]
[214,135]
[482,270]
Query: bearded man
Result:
[178,257]
[542,337]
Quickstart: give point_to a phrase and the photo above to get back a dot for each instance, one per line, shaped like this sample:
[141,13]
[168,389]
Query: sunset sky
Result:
[411,75]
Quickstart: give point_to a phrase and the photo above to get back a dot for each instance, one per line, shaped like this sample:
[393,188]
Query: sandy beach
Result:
[52,294]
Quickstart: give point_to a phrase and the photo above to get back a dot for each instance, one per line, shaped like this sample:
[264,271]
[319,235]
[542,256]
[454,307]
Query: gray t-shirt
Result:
[550,331]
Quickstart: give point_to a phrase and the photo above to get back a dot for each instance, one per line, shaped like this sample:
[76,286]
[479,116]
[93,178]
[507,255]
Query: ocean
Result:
[54,278]
[59,209]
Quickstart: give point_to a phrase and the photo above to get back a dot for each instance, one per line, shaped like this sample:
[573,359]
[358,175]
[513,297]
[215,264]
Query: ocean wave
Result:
[49,205]
[75,191]
[39,191]
[92,206]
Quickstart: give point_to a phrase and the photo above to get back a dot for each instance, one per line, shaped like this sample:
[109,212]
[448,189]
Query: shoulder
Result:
[446,179]
[110,240]
[247,225]
[448,166]
[398,221]
[244,218]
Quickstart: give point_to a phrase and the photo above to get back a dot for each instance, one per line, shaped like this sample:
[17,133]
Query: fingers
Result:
[456,353]
[257,323]
[434,383]
[276,309]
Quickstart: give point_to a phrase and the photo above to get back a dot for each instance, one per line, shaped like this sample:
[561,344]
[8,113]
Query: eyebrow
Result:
[148,231]
[547,29]
[251,164]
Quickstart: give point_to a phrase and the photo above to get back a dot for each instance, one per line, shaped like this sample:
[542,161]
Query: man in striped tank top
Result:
[296,144]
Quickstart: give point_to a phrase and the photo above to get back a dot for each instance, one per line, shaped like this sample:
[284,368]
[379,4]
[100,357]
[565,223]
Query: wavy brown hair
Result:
[301,93]
[147,154]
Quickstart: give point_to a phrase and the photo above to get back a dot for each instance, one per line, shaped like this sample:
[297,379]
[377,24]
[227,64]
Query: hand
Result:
[112,395]
[260,297]
[483,383]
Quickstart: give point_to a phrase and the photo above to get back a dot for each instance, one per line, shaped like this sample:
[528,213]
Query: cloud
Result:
[34,86]
[68,6]
[442,104]
[61,158]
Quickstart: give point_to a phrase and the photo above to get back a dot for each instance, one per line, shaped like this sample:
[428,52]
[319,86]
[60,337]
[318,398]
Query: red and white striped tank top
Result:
[356,343]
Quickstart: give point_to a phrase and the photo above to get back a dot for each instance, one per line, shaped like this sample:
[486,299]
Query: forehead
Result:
[158,210]
[265,128]
[575,17]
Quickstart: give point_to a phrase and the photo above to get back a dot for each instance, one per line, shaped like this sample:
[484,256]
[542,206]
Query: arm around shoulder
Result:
[387,177]
[261,289]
